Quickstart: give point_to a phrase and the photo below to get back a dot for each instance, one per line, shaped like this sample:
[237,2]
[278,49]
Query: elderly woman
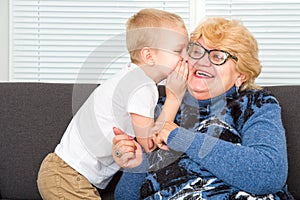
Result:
[227,141]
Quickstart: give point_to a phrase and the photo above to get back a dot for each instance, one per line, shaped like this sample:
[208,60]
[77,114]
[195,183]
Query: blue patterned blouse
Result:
[229,147]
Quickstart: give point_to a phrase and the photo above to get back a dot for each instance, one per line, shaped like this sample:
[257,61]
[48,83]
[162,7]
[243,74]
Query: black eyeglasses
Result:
[216,57]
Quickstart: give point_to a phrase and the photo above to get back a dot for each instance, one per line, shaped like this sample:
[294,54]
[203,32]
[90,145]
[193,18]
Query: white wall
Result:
[4,70]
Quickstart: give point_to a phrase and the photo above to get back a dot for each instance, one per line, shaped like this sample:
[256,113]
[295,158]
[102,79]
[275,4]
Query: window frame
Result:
[198,11]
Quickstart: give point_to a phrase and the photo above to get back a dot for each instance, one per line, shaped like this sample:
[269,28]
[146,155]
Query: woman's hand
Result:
[162,134]
[126,151]
[176,82]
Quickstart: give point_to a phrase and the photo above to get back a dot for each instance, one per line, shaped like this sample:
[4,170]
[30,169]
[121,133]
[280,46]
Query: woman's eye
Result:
[197,52]
[218,57]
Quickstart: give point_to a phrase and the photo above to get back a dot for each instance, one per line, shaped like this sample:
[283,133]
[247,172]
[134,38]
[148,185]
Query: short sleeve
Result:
[143,100]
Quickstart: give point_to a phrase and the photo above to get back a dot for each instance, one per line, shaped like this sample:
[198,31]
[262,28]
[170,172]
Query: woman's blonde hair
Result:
[141,32]
[234,37]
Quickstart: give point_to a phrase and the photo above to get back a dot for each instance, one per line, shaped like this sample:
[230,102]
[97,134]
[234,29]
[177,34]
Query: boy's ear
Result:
[147,56]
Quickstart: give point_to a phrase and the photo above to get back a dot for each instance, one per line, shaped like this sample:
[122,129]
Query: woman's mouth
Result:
[203,74]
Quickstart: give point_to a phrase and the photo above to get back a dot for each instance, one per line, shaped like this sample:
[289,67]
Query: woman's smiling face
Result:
[207,80]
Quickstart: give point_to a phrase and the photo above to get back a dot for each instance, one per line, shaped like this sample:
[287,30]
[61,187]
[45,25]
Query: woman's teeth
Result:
[201,73]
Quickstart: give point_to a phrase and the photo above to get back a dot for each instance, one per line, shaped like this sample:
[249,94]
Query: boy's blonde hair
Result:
[234,37]
[141,30]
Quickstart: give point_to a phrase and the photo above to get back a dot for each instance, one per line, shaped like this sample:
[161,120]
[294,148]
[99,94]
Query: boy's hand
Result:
[162,133]
[147,143]
[177,82]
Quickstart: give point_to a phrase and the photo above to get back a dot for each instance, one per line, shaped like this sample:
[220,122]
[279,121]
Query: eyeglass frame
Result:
[228,55]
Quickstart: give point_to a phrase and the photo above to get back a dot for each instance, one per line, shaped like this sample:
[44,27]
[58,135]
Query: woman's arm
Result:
[258,165]
[134,164]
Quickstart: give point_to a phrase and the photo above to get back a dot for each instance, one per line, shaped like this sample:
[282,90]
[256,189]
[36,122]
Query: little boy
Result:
[82,162]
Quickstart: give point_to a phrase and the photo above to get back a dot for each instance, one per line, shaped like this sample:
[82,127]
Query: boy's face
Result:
[170,48]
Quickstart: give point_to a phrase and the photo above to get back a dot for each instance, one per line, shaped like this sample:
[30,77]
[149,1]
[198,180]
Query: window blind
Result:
[276,26]
[74,40]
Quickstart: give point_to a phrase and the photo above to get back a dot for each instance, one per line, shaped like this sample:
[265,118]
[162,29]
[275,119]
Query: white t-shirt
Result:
[87,142]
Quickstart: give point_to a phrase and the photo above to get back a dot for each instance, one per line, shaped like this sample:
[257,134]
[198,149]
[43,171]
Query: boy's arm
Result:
[175,90]
[144,127]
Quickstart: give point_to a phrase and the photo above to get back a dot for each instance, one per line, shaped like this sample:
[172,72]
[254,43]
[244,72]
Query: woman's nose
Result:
[205,60]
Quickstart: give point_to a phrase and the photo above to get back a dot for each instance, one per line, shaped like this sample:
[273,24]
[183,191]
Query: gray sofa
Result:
[33,117]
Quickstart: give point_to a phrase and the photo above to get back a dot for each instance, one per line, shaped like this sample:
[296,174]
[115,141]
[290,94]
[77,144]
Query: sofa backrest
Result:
[288,97]
[33,117]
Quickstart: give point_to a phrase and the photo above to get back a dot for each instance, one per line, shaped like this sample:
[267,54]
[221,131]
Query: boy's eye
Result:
[178,51]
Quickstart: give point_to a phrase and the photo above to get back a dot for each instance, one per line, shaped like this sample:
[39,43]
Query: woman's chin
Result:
[198,85]
[199,92]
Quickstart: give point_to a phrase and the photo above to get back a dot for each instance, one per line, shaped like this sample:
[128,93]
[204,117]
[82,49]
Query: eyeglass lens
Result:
[216,57]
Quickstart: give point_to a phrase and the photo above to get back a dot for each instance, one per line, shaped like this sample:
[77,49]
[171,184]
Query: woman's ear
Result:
[240,80]
[147,56]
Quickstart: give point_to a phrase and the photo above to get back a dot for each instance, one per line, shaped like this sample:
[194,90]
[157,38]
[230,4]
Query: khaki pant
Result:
[58,181]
